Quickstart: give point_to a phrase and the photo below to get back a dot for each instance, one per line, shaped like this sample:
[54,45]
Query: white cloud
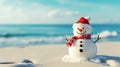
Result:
[28,14]
[53,13]
[72,13]
[62,13]
[38,13]
[62,16]
[99,13]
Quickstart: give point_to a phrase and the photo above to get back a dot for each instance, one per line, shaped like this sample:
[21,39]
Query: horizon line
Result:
[62,24]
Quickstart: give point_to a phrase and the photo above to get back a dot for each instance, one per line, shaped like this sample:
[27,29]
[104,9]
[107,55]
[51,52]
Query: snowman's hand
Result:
[65,38]
[98,38]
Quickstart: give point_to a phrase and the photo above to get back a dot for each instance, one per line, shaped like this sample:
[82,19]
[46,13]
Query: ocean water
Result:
[26,35]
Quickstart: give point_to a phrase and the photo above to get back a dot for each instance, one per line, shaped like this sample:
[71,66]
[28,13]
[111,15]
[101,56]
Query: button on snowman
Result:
[80,46]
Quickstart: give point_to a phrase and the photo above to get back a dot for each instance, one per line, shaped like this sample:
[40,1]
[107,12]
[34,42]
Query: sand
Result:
[51,56]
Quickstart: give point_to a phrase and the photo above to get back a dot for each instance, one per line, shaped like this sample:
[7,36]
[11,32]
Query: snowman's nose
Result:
[79,29]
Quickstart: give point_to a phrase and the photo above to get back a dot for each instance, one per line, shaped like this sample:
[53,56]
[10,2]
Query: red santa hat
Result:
[83,21]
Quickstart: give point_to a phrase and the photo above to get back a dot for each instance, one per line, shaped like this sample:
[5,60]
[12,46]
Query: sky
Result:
[59,11]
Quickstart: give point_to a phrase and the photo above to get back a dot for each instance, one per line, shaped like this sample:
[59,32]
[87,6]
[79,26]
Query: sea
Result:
[40,34]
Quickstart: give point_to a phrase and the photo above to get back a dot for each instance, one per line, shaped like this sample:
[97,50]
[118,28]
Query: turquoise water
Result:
[25,35]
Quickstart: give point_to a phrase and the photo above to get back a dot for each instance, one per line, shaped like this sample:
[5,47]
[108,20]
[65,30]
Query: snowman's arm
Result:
[65,38]
[72,39]
[68,42]
[98,38]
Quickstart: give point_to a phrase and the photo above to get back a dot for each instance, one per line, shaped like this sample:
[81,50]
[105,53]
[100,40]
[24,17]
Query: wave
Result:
[106,34]
[25,41]
[29,34]
[15,41]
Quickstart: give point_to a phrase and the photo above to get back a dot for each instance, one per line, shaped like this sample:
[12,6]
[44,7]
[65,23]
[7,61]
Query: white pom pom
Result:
[88,18]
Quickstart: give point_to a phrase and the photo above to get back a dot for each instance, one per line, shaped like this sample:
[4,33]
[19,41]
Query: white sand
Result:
[51,55]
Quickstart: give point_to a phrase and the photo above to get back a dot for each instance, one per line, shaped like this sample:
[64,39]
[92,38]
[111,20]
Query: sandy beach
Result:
[51,55]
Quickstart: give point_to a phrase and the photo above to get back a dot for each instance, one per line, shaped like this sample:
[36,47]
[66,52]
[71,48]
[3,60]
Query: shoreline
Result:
[32,45]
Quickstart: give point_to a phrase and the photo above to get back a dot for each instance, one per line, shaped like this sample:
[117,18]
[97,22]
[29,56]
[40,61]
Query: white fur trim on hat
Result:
[79,24]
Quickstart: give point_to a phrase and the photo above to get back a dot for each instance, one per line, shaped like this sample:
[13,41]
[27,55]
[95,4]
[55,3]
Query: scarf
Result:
[71,41]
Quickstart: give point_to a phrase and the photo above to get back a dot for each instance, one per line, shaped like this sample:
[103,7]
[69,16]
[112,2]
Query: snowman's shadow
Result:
[102,59]
[111,57]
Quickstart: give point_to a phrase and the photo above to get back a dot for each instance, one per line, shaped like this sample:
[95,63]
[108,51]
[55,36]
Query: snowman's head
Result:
[82,27]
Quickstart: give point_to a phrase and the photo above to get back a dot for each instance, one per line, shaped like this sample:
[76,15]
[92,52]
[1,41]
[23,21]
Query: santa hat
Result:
[83,21]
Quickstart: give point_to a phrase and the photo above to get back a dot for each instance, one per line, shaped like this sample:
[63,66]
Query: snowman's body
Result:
[83,49]
[80,46]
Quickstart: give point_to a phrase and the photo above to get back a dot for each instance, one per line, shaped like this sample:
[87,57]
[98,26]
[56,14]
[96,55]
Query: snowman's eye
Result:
[82,27]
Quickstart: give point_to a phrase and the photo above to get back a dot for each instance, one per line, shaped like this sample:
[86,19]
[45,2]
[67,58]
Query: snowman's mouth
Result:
[82,32]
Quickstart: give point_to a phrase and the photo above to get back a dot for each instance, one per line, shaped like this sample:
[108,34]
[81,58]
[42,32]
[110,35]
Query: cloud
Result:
[71,13]
[99,12]
[21,12]
[33,12]
[62,13]
[63,16]
[53,13]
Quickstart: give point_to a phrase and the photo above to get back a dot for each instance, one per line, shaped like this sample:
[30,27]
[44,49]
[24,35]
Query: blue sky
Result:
[58,11]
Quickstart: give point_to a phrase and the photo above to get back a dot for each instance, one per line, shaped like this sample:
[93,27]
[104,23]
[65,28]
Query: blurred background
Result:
[41,22]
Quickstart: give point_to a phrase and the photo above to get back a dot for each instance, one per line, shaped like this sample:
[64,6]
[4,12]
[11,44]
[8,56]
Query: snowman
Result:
[80,46]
